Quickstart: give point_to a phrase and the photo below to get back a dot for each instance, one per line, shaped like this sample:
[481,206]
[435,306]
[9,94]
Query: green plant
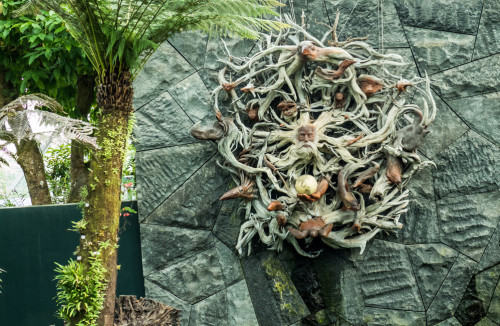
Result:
[81,290]
[57,171]
[118,37]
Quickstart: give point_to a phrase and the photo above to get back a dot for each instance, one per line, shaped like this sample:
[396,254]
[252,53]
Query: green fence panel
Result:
[32,239]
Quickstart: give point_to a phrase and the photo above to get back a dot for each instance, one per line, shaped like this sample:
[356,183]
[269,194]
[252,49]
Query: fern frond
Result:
[22,119]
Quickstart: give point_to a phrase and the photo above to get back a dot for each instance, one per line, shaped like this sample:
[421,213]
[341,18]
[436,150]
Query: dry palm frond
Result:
[23,119]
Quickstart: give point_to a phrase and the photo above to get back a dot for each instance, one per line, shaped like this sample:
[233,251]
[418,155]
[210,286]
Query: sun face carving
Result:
[322,144]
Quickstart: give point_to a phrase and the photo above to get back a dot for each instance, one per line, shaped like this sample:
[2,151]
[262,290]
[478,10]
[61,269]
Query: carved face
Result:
[306,134]
[339,100]
[288,109]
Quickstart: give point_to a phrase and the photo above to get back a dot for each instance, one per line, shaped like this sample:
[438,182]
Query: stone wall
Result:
[442,268]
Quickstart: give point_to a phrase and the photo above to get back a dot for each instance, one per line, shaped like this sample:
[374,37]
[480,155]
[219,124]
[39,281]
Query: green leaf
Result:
[32,58]
[67,46]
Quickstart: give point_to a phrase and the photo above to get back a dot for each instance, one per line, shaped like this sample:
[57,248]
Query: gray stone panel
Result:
[163,124]
[227,226]
[192,45]
[436,50]
[481,113]
[420,223]
[273,294]
[194,98]
[451,291]
[491,255]
[163,246]
[478,77]
[467,222]
[161,171]
[216,51]
[470,165]
[211,311]
[387,279]
[385,317]
[431,263]
[494,309]
[445,15]
[240,309]
[195,204]
[165,68]
[477,297]
[486,322]
[352,13]
[407,71]
[446,129]
[488,36]
[230,264]
[322,318]
[155,292]
[450,322]
[194,278]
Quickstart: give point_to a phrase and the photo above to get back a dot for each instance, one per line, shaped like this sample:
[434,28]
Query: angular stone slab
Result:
[194,278]
[431,263]
[315,11]
[155,292]
[494,310]
[445,129]
[240,309]
[450,322]
[322,318]
[365,11]
[159,172]
[230,264]
[445,15]
[421,185]
[387,279]
[229,307]
[337,273]
[273,294]
[420,223]
[482,114]
[304,278]
[491,255]
[195,204]
[470,165]
[381,317]
[488,36]
[451,291]
[486,322]
[211,311]
[163,246]
[407,71]
[194,98]
[165,68]
[216,50]
[467,222]
[192,46]
[477,297]
[478,77]
[227,226]
[162,123]
[436,50]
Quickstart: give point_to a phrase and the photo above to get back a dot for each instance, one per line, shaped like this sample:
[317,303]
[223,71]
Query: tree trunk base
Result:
[129,311]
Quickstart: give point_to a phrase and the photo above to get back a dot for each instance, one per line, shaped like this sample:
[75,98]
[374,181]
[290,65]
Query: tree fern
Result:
[22,119]
[122,34]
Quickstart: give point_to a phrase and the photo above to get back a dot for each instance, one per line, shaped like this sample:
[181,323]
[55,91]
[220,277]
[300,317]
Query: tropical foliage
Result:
[118,37]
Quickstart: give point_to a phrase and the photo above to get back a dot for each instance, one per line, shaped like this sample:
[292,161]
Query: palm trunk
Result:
[31,161]
[114,97]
